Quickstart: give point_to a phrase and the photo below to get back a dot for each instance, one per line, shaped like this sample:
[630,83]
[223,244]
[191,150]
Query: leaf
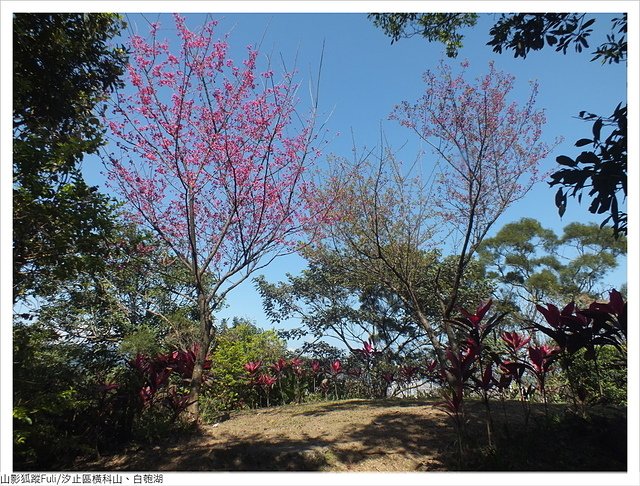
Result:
[564,160]
[551,40]
[583,141]
[597,127]
[561,202]
[588,158]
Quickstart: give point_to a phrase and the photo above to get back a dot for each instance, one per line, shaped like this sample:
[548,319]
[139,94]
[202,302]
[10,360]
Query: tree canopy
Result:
[64,67]
[603,170]
[441,27]
[532,265]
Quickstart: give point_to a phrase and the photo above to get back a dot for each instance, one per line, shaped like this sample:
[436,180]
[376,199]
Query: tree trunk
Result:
[207,333]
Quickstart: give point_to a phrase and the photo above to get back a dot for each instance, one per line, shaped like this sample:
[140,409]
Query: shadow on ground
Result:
[350,405]
[400,436]
[389,434]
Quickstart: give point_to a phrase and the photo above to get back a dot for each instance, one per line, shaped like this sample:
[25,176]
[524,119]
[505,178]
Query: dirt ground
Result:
[351,435]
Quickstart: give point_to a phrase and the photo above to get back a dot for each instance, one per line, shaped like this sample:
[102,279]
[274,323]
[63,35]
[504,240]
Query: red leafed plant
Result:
[266,382]
[470,364]
[154,376]
[316,367]
[252,367]
[514,341]
[336,367]
[575,329]
[541,358]
[279,366]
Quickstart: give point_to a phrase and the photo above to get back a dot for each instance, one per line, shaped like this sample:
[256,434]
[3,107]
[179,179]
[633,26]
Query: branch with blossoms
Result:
[487,153]
[211,157]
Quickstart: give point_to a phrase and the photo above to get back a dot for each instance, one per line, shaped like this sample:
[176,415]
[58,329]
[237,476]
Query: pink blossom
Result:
[204,149]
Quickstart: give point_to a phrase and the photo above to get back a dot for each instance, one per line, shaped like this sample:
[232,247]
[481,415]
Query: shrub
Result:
[237,345]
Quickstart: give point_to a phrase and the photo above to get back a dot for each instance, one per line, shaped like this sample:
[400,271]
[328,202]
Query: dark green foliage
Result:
[58,409]
[602,171]
[441,27]
[136,303]
[74,393]
[614,49]
[63,69]
[600,378]
[525,32]
[531,264]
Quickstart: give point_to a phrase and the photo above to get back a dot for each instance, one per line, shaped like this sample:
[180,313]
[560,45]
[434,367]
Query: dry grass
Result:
[351,435]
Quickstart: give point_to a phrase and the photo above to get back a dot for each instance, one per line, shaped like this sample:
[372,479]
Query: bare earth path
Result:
[352,435]
[375,435]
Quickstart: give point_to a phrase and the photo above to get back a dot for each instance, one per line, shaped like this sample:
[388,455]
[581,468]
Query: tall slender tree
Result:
[487,151]
[212,159]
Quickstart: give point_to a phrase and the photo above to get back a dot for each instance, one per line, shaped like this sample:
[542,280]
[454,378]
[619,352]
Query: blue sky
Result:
[364,76]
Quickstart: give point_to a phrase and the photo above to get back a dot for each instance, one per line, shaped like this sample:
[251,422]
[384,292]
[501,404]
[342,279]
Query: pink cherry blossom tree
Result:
[488,150]
[214,158]
[397,217]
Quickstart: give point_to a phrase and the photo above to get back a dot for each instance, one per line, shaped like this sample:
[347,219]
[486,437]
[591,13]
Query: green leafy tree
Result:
[51,390]
[336,298]
[63,68]
[333,299]
[137,303]
[532,265]
[516,32]
[73,390]
[440,27]
[525,32]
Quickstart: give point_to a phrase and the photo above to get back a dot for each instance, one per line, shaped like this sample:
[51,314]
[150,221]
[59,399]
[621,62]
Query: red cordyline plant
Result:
[429,367]
[266,381]
[468,359]
[336,371]
[336,367]
[155,374]
[316,370]
[514,341]
[316,367]
[514,367]
[212,156]
[368,350]
[541,358]
[297,366]
[573,329]
[252,367]
[279,368]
